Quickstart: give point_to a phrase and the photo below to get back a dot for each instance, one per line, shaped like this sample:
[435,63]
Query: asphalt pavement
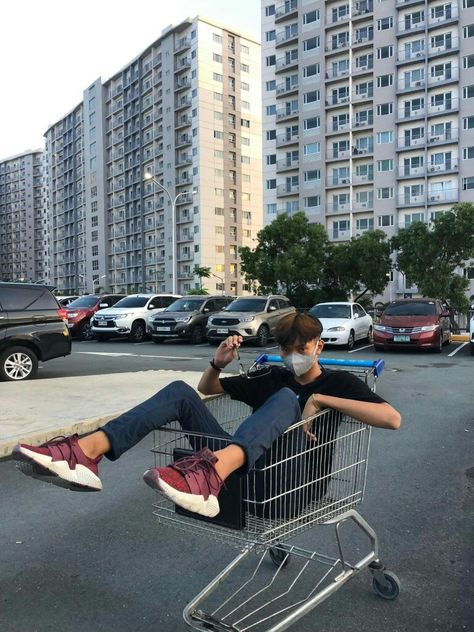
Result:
[100,562]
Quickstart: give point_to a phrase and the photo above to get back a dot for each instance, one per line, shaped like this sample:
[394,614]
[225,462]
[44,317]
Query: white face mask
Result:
[298,363]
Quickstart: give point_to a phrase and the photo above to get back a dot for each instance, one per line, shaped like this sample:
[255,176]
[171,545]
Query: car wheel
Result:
[18,363]
[350,341]
[137,333]
[85,331]
[197,335]
[370,335]
[263,334]
[439,347]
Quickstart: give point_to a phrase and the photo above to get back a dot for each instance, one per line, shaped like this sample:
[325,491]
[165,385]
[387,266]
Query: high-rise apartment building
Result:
[187,111]
[24,230]
[368,112]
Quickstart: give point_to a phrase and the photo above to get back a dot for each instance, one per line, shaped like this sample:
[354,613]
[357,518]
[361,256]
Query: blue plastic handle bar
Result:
[377,365]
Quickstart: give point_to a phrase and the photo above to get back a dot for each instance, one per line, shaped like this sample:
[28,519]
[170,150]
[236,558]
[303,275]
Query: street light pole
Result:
[221,280]
[150,176]
[94,281]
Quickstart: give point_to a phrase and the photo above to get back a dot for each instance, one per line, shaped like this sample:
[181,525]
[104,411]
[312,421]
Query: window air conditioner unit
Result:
[419,54]
[433,139]
[434,197]
[432,168]
[344,181]
[418,83]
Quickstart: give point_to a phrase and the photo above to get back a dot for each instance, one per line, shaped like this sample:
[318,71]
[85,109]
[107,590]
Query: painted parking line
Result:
[137,355]
[457,349]
[360,348]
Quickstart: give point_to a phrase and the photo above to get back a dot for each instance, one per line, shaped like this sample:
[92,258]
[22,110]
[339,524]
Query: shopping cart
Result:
[297,485]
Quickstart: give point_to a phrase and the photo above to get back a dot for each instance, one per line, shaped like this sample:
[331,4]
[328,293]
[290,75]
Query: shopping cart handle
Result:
[377,365]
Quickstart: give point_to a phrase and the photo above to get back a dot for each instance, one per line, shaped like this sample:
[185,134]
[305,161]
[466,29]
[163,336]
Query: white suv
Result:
[128,317]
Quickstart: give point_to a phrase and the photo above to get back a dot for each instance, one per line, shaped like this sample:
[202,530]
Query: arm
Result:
[209,384]
[380,415]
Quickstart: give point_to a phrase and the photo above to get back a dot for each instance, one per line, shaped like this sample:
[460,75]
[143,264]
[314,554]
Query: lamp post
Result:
[221,280]
[94,281]
[150,176]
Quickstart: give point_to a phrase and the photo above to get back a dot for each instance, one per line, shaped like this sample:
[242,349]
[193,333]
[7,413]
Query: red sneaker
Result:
[191,482]
[60,462]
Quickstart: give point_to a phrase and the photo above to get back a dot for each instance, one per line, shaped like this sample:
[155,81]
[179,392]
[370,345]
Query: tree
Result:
[289,257]
[197,290]
[431,256]
[361,265]
[203,273]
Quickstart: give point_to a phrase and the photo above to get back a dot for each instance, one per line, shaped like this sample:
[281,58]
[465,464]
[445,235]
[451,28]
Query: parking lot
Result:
[101,562]
[118,356]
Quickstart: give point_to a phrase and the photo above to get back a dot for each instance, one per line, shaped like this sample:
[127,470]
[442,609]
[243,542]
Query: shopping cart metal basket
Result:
[297,485]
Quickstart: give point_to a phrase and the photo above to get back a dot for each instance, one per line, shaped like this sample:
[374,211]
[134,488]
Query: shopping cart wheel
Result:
[279,556]
[390,588]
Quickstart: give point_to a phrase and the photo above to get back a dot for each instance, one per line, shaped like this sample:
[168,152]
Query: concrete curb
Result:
[460,338]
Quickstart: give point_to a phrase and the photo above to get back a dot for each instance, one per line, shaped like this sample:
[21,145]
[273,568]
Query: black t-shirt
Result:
[255,391]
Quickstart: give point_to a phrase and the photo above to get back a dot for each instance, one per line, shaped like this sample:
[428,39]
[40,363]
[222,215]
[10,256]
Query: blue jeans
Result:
[179,402]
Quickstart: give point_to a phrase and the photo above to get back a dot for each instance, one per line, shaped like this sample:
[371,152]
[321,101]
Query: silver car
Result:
[252,317]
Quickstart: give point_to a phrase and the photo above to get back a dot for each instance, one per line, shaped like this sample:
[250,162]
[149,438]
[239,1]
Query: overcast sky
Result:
[51,50]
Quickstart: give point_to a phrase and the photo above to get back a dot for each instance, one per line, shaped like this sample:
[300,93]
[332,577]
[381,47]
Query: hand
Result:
[312,407]
[227,350]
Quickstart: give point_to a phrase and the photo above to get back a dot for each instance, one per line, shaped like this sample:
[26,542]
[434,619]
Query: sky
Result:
[51,50]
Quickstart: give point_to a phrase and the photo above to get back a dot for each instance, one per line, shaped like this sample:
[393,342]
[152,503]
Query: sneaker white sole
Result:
[41,466]
[192,502]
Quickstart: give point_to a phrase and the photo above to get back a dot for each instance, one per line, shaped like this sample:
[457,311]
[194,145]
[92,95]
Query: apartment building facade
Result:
[24,229]
[368,113]
[186,111]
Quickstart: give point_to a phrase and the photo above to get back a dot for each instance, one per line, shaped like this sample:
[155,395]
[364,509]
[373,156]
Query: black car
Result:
[32,328]
[186,318]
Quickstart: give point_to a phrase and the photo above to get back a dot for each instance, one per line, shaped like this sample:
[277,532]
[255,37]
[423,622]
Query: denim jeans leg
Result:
[256,434]
[176,402]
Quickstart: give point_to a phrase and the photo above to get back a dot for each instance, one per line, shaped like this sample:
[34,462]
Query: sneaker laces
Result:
[198,462]
[58,442]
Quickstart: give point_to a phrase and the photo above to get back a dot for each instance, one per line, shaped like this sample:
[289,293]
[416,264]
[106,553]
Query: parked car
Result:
[64,301]
[252,317]
[129,316]
[471,332]
[343,323]
[81,311]
[415,322]
[32,328]
[186,318]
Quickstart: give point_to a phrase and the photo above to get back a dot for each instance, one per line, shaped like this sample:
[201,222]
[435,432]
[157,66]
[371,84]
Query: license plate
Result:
[223,330]
[401,339]
[70,325]
[102,323]
[162,328]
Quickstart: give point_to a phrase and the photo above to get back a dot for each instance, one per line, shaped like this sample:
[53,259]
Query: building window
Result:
[217,77]
[311,16]
[312,97]
[311,149]
[244,122]
[385,220]
[384,137]
[271,209]
[218,134]
[385,165]
[468,122]
[312,176]
[245,50]
[384,81]
[468,62]
[271,159]
[271,134]
[385,193]
[270,60]
[468,153]
[270,85]
[312,123]
[270,10]
[468,91]
[312,70]
[468,183]
[384,52]
[312,202]
[385,23]
[217,58]
[217,38]
[270,35]
[468,31]
[312,43]
[271,184]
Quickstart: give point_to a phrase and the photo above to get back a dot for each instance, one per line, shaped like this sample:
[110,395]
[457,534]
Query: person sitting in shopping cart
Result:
[279,397]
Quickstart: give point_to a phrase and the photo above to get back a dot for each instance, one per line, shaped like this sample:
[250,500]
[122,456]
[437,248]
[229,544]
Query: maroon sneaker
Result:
[60,462]
[191,482]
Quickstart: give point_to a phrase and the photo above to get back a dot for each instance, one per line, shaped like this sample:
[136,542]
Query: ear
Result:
[320,346]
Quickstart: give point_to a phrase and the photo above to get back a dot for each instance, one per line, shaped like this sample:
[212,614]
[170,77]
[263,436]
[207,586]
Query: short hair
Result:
[302,327]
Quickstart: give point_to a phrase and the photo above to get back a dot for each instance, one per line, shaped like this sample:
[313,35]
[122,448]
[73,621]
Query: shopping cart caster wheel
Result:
[279,556]
[390,589]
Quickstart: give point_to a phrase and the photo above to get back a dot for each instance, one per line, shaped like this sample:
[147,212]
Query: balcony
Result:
[450,166]
[182,64]
[336,207]
[286,165]
[406,3]
[448,106]
[333,101]
[411,86]
[363,206]
[182,44]
[449,136]
[286,88]
[287,113]
[446,49]
[182,84]
[287,139]
[440,197]
[184,180]
[337,74]
[283,38]
[288,189]
[183,121]
[286,63]
[185,198]
[362,9]
[338,154]
[362,152]
[339,128]
[337,47]
[362,179]
[450,76]
[410,172]
[363,41]
[184,102]
[405,56]
[449,16]
[183,160]
[407,114]
[362,96]
[183,140]
[341,235]
[287,9]
[405,27]
[410,143]
[367,121]
[411,200]
[336,181]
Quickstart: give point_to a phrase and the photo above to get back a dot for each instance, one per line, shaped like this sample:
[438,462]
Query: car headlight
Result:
[247,319]
[380,328]
[72,314]
[183,319]
[150,319]
[430,327]
[122,316]
[340,328]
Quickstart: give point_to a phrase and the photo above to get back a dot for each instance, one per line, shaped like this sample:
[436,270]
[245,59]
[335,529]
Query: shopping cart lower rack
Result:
[297,485]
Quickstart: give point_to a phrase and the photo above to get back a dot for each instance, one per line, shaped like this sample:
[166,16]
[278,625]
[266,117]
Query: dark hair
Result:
[301,327]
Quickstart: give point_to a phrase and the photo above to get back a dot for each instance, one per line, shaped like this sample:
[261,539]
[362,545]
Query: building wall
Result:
[23,225]
[373,117]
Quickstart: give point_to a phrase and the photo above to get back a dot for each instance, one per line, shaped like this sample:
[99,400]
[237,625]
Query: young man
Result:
[279,398]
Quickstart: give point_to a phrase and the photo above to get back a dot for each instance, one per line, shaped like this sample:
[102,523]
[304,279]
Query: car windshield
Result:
[247,305]
[331,311]
[84,301]
[185,305]
[410,309]
[133,301]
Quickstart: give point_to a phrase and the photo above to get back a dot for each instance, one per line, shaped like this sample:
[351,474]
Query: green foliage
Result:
[203,272]
[430,257]
[296,258]
[197,290]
